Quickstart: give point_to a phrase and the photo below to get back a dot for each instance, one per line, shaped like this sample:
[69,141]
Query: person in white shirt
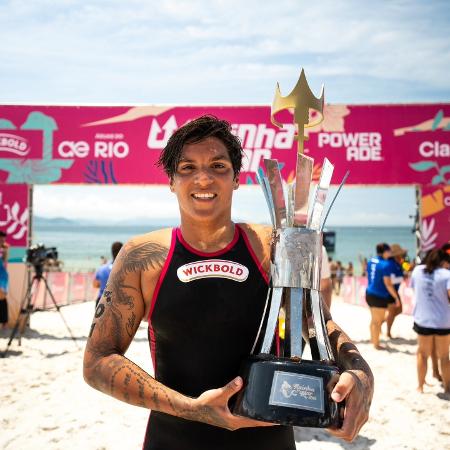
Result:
[431,284]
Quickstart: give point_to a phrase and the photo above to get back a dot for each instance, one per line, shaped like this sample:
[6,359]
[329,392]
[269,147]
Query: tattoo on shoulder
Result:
[119,293]
[143,256]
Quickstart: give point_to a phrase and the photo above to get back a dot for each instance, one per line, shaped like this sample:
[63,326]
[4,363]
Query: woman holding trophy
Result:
[203,288]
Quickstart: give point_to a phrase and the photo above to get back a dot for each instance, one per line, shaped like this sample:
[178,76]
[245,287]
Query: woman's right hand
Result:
[212,407]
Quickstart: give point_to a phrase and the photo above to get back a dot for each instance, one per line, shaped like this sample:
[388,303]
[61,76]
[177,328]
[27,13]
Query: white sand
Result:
[44,402]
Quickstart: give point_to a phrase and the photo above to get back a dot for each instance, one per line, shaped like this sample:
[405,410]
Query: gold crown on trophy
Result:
[301,100]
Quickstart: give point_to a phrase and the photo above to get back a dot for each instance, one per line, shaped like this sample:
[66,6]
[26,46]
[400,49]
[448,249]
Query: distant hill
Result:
[39,221]
[42,221]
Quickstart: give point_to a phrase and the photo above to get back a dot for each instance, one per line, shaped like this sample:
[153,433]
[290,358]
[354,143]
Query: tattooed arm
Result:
[355,384]
[117,317]
[116,320]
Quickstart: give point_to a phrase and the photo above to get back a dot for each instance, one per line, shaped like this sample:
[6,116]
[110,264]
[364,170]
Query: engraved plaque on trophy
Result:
[279,385]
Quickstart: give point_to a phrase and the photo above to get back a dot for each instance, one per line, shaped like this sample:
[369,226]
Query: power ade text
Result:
[102,149]
[364,146]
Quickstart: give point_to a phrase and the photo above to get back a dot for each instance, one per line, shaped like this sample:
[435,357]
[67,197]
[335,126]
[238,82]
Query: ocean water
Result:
[80,247]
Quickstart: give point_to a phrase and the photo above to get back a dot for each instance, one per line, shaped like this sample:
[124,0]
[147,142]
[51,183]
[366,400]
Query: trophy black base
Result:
[280,390]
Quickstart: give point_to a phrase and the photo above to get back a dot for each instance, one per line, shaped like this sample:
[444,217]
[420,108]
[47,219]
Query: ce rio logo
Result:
[101,149]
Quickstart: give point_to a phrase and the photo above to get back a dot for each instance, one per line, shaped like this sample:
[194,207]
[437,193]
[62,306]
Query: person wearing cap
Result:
[396,277]
[380,292]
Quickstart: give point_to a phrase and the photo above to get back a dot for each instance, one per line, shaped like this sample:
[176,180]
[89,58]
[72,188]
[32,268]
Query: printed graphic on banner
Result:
[38,167]
[14,214]
[435,226]
[20,144]
[379,144]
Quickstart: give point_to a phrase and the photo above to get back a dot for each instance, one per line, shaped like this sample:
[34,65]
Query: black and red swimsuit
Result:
[204,317]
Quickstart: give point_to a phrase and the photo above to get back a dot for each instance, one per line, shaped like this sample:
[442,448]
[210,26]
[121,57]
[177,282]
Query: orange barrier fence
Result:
[353,291]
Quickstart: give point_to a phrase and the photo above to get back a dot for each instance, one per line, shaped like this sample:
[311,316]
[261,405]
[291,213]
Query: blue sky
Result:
[224,52]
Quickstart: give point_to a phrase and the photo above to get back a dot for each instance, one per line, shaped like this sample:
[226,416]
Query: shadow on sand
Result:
[317,434]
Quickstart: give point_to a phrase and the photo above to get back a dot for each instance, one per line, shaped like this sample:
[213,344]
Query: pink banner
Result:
[58,283]
[435,226]
[77,287]
[379,144]
[14,213]
[354,292]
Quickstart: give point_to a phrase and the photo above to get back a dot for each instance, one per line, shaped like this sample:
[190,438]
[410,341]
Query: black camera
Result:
[38,254]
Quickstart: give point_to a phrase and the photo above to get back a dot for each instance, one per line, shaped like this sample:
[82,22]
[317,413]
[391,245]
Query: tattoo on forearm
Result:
[113,377]
[130,324]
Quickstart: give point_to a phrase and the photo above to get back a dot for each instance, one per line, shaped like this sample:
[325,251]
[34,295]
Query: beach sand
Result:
[46,404]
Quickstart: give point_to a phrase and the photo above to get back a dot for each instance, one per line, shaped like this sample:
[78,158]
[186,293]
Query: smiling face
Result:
[204,182]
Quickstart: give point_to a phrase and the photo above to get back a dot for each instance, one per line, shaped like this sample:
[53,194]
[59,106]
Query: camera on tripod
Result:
[39,254]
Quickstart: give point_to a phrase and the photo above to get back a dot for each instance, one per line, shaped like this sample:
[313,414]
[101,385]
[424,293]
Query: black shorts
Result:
[424,331]
[378,302]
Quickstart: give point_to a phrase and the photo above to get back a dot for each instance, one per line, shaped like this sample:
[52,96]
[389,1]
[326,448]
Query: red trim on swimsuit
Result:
[200,253]
[253,255]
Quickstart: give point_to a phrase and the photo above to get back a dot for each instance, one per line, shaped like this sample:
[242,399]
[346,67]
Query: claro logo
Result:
[11,143]
[212,268]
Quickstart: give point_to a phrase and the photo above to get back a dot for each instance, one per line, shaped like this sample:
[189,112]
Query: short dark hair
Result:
[195,131]
[382,247]
[115,249]
[2,233]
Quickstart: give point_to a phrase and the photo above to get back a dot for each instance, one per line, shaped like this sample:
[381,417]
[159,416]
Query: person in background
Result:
[326,287]
[333,268]
[4,252]
[431,284]
[396,277]
[434,359]
[363,261]
[349,270]
[379,293]
[339,277]
[382,249]
[102,273]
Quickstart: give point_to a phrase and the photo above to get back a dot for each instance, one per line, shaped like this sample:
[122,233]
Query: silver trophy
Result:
[281,386]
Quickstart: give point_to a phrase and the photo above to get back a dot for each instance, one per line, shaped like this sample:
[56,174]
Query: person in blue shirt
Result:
[381,248]
[102,273]
[379,294]
[398,256]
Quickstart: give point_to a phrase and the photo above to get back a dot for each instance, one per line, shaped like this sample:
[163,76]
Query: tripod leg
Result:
[47,287]
[24,313]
